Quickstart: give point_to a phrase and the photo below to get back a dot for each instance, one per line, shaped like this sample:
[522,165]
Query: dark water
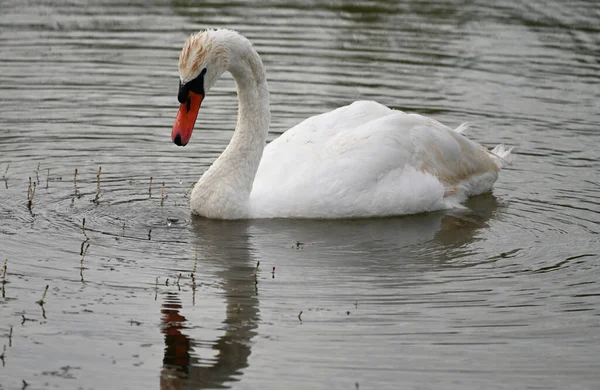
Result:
[502,295]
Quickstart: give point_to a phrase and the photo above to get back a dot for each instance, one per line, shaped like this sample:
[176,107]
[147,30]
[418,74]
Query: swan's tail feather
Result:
[462,128]
[502,156]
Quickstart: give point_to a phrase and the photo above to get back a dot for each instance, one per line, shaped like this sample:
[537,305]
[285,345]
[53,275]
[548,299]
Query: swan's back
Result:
[368,160]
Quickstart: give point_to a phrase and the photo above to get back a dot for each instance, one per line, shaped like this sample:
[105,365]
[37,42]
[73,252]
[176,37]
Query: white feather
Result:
[462,128]
[503,156]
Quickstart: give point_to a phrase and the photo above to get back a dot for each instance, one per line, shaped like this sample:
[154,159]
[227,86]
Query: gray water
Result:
[502,295]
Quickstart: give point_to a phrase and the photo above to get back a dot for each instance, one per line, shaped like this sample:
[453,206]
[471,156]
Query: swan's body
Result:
[361,160]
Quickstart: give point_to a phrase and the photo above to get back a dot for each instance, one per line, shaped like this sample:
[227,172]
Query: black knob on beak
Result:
[183,94]
[177,140]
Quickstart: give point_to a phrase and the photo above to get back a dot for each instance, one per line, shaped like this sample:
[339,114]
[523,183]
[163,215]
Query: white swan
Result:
[361,160]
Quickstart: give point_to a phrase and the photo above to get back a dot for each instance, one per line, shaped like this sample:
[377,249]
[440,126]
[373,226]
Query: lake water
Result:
[503,295]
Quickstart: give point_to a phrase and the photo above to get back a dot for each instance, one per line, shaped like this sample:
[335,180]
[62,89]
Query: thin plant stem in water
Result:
[81,267]
[47,177]
[193,275]
[162,195]
[42,301]
[98,177]
[30,194]
[75,181]
[83,230]
[256,274]
[256,278]
[193,290]
[188,190]
[156,289]
[37,174]
[150,188]
[195,260]
[4,268]
[33,193]
[4,176]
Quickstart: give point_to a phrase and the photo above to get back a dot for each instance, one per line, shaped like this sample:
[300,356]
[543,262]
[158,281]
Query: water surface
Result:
[503,294]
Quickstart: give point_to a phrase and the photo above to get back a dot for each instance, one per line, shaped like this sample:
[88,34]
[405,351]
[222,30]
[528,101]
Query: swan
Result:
[360,160]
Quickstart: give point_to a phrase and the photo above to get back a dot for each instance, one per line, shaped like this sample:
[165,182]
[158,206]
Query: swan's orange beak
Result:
[186,118]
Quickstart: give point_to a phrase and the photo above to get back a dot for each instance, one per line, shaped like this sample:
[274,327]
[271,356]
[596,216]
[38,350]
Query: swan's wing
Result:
[323,127]
[306,145]
[364,159]
[449,155]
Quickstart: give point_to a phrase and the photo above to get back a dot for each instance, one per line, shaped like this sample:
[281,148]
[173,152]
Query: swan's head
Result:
[204,57]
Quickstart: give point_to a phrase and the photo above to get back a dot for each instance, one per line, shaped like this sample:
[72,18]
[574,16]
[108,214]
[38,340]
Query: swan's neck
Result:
[224,189]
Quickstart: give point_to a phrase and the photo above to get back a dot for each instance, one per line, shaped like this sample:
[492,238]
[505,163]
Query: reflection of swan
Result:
[357,242]
[358,247]
[360,160]
[459,228]
[182,367]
